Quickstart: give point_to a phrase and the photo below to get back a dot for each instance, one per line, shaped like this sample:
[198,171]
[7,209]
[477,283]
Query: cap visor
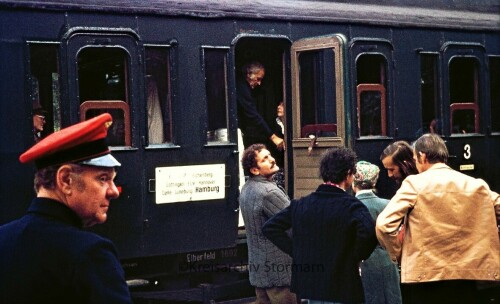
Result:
[102,161]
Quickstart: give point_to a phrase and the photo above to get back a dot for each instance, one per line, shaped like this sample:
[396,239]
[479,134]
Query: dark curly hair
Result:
[337,163]
[248,159]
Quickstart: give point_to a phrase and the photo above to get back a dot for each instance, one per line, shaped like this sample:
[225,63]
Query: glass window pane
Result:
[431,123]
[45,93]
[463,121]
[370,79]
[463,80]
[215,63]
[317,93]
[158,90]
[370,109]
[495,93]
[102,74]
[116,132]
[370,68]
[464,85]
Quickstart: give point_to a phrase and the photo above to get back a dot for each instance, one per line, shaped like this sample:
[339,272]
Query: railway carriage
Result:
[359,74]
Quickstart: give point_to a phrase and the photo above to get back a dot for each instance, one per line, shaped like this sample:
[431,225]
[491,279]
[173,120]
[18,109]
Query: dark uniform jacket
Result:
[45,257]
[332,232]
[254,127]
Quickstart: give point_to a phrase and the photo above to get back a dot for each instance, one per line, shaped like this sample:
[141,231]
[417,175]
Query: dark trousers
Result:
[441,292]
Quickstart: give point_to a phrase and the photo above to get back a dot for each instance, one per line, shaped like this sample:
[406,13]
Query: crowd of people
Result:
[435,241]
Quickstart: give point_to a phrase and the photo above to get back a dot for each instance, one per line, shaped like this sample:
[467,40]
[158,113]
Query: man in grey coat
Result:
[260,199]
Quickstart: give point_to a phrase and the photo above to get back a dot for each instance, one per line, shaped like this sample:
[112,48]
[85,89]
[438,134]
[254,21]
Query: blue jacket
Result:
[332,232]
[45,257]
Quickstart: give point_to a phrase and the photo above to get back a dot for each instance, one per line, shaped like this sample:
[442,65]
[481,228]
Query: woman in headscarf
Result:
[379,274]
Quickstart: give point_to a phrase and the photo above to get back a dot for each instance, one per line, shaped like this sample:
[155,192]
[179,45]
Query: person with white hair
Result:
[451,241]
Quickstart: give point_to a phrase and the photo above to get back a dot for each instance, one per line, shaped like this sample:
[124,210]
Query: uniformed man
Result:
[46,256]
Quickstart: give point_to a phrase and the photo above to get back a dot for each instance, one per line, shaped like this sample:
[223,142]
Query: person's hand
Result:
[279,142]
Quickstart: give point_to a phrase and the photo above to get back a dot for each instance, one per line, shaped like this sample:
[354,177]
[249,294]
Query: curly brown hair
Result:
[248,159]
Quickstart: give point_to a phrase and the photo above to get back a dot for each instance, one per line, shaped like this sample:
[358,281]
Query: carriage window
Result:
[317,91]
[464,106]
[495,93]
[371,96]
[215,67]
[102,74]
[158,90]
[429,94]
[371,109]
[119,131]
[45,94]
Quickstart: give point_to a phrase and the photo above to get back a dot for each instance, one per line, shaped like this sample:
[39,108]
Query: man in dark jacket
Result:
[332,233]
[46,256]
[254,127]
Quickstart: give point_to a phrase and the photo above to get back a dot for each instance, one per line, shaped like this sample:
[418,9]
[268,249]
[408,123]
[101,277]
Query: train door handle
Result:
[312,143]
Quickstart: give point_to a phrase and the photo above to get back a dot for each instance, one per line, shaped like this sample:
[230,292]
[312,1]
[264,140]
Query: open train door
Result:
[318,103]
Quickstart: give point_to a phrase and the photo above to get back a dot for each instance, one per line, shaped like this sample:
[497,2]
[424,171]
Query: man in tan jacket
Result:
[451,239]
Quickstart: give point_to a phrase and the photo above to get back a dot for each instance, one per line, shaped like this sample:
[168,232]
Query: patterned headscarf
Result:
[366,175]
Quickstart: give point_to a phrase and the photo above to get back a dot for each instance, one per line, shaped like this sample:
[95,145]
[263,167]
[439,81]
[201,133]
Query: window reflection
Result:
[317,91]
[215,66]
[464,105]
[370,108]
[494,63]
[103,83]
[429,94]
[158,93]
[371,97]
[102,74]
[45,93]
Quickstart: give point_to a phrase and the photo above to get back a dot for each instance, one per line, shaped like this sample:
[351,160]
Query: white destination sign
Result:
[190,183]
